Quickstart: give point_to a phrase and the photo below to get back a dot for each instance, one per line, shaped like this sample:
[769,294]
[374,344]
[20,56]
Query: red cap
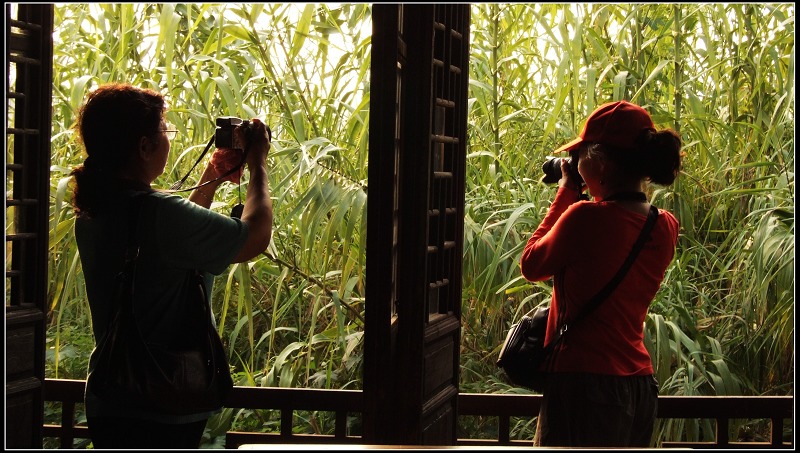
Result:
[617,124]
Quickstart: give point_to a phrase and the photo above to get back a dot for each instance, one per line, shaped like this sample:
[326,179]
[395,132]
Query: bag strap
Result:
[135,203]
[131,249]
[626,265]
[652,215]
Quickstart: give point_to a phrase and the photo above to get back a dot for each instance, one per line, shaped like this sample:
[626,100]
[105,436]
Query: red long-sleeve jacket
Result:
[582,244]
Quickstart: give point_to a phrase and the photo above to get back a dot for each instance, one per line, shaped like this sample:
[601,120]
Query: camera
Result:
[224,136]
[552,170]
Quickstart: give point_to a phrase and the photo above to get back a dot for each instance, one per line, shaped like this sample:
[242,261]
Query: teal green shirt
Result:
[175,236]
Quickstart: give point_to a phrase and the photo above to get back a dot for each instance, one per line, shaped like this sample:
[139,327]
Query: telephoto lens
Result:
[552,169]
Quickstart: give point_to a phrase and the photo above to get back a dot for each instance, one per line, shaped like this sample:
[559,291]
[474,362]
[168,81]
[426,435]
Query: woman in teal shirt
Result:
[127,143]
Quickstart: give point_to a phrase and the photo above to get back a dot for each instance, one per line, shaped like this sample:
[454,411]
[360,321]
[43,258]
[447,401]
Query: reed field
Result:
[722,75]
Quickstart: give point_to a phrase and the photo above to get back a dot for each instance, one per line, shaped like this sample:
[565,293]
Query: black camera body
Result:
[224,136]
[552,170]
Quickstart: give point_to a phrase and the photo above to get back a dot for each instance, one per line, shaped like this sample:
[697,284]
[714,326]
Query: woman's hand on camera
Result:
[566,178]
[258,143]
[257,213]
[224,160]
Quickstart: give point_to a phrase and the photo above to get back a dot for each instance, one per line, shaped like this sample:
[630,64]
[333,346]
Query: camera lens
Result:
[552,170]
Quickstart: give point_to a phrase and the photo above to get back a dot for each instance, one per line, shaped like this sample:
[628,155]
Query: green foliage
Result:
[720,74]
[294,316]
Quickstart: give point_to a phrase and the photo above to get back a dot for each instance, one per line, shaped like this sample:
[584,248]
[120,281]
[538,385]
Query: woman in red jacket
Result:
[601,391]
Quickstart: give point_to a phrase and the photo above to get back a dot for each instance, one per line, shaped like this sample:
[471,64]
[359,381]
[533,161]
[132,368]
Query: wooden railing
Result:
[503,406]
[719,408]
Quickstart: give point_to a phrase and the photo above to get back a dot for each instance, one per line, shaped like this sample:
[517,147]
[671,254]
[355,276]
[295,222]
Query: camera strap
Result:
[177,186]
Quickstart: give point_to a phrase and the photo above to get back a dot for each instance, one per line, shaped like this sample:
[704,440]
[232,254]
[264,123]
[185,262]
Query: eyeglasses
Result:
[170,131]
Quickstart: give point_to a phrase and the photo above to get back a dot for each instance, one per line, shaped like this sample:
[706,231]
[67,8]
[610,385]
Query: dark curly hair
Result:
[657,156]
[110,124]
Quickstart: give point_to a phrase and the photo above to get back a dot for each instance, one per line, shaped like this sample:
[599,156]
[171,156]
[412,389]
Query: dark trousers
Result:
[592,410]
[134,433]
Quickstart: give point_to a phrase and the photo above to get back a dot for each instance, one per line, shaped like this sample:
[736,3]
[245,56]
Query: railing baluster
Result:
[67,419]
[776,438]
[286,422]
[341,425]
[504,429]
[723,440]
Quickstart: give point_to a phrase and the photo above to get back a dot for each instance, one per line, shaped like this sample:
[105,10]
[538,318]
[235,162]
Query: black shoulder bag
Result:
[189,376]
[524,352]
